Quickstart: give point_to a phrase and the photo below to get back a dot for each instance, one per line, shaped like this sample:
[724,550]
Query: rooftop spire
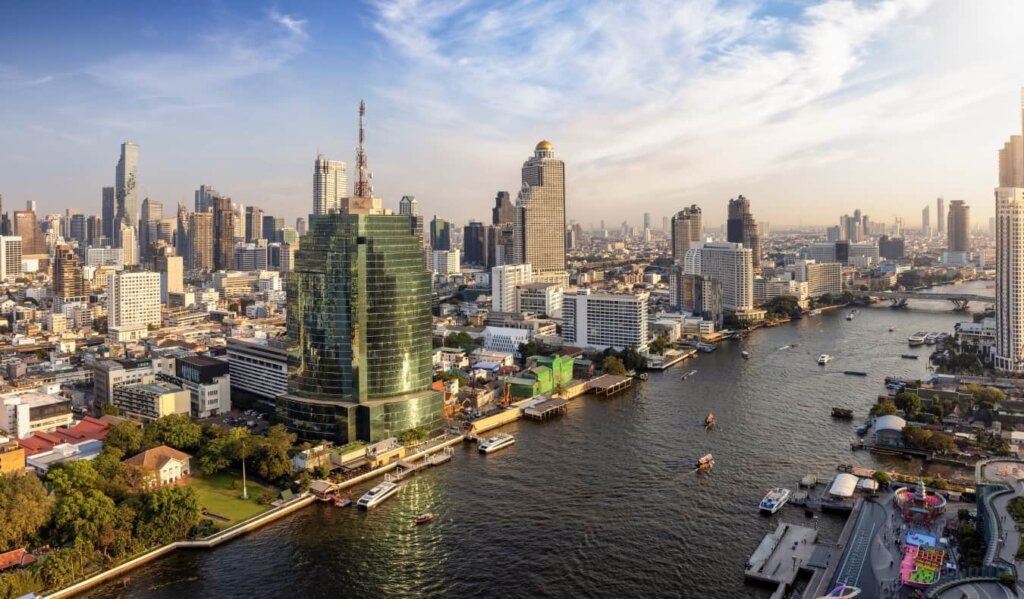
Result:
[363,187]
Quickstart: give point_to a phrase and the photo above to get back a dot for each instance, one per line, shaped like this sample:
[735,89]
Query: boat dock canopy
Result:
[608,384]
[546,409]
[844,485]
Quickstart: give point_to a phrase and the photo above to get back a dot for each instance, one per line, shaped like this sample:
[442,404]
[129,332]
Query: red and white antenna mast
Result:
[363,187]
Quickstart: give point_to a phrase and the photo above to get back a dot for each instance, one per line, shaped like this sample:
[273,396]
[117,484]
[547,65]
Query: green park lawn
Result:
[221,494]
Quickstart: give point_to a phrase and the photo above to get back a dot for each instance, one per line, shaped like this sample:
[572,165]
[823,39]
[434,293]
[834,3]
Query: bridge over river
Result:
[960,301]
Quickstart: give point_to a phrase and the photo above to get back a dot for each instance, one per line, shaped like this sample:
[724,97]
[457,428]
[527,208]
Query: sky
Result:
[810,108]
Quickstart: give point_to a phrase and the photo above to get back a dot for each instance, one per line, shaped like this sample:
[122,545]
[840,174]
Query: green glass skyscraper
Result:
[359,329]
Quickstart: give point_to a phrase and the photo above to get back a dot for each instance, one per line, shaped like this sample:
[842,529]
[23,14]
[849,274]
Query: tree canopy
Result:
[26,508]
[613,365]
[175,430]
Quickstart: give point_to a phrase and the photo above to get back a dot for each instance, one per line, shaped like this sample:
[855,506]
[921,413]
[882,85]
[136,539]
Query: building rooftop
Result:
[157,457]
[34,398]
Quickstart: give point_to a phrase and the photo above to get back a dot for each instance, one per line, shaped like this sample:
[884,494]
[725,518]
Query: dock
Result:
[407,468]
[783,554]
[548,408]
[610,384]
[670,358]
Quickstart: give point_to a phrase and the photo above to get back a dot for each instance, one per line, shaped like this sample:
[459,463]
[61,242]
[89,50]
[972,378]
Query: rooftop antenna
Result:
[363,187]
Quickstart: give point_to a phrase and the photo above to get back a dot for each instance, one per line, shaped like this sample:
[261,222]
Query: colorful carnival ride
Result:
[919,504]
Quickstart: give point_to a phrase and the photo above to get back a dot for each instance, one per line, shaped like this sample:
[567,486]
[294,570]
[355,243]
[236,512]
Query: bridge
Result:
[960,301]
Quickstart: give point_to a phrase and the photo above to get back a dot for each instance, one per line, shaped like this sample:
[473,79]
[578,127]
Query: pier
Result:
[548,408]
[610,384]
[786,554]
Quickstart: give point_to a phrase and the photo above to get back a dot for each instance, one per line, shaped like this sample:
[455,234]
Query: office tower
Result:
[300,226]
[940,216]
[959,229]
[446,262]
[926,223]
[68,282]
[200,234]
[133,299]
[149,224]
[165,229]
[93,229]
[330,184]
[182,240]
[687,229]
[10,257]
[125,186]
[504,211]
[1009,350]
[172,275]
[647,220]
[1011,163]
[129,243]
[501,239]
[253,224]
[890,248]
[359,329]
[605,320]
[741,228]
[250,257]
[832,233]
[205,196]
[76,228]
[474,243]
[440,234]
[539,227]
[280,256]
[27,228]
[865,227]
[571,240]
[239,219]
[504,282]
[223,233]
[108,212]
[272,226]
[408,207]
[731,265]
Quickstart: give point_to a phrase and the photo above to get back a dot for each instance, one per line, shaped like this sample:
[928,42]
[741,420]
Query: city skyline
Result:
[824,96]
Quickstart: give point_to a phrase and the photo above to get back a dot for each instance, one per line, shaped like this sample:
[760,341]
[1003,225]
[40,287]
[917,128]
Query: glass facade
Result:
[359,328]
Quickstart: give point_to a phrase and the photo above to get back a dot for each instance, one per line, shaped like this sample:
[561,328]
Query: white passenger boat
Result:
[917,339]
[499,441]
[377,495]
[774,500]
[824,359]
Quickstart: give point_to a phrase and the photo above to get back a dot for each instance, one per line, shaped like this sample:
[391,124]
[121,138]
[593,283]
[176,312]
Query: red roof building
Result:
[88,429]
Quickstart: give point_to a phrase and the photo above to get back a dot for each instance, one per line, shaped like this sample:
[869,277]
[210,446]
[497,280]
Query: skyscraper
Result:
[133,299]
[647,220]
[687,229]
[10,257]
[1011,163]
[125,185]
[76,228]
[200,232]
[93,229]
[149,223]
[440,234]
[1009,350]
[408,207]
[68,282]
[204,198]
[959,229]
[539,230]
[926,222]
[109,213]
[253,224]
[182,242]
[330,184]
[504,211]
[474,244]
[742,228]
[129,237]
[940,215]
[300,226]
[223,233]
[731,265]
[26,226]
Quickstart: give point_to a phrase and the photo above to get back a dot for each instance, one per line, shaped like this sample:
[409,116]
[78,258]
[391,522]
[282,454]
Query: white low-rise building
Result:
[505,339]
[25,412]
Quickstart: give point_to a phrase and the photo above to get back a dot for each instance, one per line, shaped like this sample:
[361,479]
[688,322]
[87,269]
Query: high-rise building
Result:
[254,224]
[741,228]
[182,239]
[1009,307]
[76,228]
[731,264]
[330,184]
[687,229]
[94,230]
[821,278]
[926,222]
[605,320]
[504,211]
[10,257]
[300,226]
[200,232]
[940,216]
[250,257]
[205,196]
[68,282]
[539,227]
[133,299]
[890,248]
[959,230]
[647,220]
[240,233]
[1011,163]
[129,243]
[125,187]
[108,212]
[359,328]
[440,234]
[408,207]
[272,226]
[223,233]
[172,275]
[149,225]
[26,226]
[504,282]
[474,243]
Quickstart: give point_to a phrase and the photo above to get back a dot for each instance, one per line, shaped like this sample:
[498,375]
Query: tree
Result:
[987,395]
[269,454]
[910,403]
[613,365]
[81,515]
[882,477]
[782,305]
[26,508]
[58,570]
[216,455]
[126,436]
[176,430]
[883,408]
[168,514]
[79,475]
[109,409]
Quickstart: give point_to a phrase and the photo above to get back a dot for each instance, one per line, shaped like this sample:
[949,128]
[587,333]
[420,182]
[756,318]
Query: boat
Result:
[705,463]
[930,338]
[908,356]
[745,354]
[843,413]
[851,314]
[797,344]
[643,376]
[709,422]
[340,501]
[423,518]
[689,374]
[706,348]
[824,359]
[855,373]
[814,312]
[863,429]
[774,500]
[499,441]
[809,481]
[891,329]
[917,339]
[377,495]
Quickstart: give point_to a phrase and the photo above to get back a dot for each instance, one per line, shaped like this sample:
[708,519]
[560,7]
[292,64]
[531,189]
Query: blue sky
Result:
[811,108]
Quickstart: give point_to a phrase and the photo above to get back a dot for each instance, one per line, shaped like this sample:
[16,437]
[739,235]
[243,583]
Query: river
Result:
[601,501]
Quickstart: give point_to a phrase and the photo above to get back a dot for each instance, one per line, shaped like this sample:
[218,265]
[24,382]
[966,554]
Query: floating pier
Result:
[610,384]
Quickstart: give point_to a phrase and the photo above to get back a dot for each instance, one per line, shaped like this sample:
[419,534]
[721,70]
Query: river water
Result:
[599,502]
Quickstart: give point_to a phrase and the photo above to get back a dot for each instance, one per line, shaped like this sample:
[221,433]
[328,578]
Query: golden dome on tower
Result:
[545,145]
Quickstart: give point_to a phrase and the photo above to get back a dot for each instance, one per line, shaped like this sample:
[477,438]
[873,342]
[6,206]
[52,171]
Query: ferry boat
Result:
[499,441]
[930,338]
[814,312]
[917,338]
[423,518]
[745,354]
[377,495]
[824,359]
[774,500]
[705,463]
[851,314]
